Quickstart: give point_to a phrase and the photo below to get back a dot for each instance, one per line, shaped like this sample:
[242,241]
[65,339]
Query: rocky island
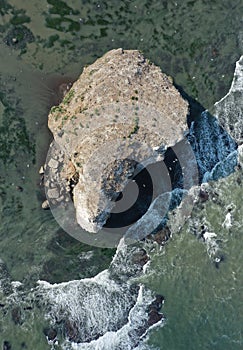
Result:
[118,117]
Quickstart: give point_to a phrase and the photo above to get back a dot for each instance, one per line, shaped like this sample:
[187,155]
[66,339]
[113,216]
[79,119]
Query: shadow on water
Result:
[195,107]
[214,150]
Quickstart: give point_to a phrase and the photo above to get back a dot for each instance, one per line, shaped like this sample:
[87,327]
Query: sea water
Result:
[190,40]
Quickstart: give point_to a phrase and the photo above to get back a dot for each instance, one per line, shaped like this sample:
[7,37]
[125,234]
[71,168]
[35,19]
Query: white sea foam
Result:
[240,155]
[127,337]
[209,235]
[229,110]
[108,311]
[212,246]
[227,221]
[86,255]
[95,306]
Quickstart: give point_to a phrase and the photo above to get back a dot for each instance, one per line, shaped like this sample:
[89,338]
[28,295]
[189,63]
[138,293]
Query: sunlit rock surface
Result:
[119,116]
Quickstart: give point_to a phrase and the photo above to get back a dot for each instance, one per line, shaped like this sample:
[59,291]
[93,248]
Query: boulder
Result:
[118,117]
[154,310]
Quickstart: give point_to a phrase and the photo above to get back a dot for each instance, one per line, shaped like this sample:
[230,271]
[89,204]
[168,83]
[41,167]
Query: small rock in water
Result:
[64,88]
[6,345]
[160,237]
[41,171]
[154,310]
[154,317]
[218,260]
[203,194]
[19,188]
[45,205]
[141,258]
[50,333]
[71,331]
[158,302]
[16,315]
[6,286]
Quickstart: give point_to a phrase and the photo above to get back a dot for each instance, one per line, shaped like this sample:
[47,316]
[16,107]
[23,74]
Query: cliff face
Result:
[120,115]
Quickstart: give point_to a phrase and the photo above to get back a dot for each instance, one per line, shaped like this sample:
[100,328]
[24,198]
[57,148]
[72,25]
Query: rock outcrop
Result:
[118,117]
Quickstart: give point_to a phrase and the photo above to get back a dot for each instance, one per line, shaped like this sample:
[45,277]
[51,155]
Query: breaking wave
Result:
[110,311]
[214,148]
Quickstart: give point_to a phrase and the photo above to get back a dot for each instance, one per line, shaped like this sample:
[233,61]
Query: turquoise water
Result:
[197,43]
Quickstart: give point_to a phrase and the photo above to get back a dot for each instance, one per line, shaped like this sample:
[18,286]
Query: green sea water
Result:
[43,44]
[204,303]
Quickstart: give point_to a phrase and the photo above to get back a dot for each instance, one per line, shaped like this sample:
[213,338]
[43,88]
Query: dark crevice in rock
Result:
[72,182]
[138,209]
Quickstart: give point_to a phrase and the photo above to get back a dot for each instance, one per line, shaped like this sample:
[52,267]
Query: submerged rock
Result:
[18,37]
[6,345]
[50,333]
[203,195]
[161,237]
[16,315]
[5,279]
[118,117]
[154,310]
